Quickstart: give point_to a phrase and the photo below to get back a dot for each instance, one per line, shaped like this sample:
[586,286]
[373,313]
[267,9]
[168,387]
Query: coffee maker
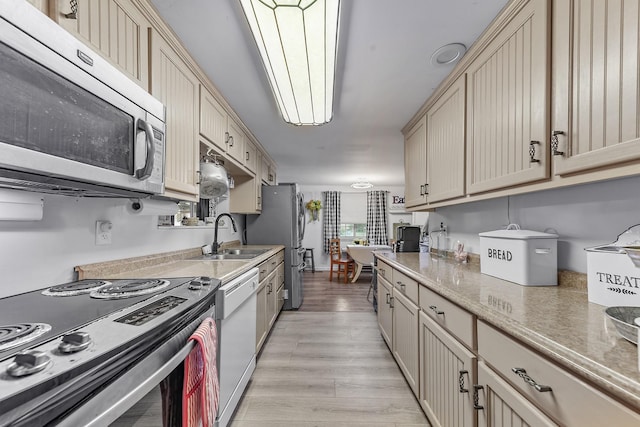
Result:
[408,239]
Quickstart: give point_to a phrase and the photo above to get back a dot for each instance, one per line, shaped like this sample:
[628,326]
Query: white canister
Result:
[525,257]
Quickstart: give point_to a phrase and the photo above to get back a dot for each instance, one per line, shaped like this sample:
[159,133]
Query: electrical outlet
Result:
[223,224]
[103,232]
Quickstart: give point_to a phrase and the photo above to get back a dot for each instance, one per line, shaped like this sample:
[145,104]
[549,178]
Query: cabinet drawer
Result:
[405,285]
[570,401]
[448,315]
[280,257]
[384,270]
[263,270]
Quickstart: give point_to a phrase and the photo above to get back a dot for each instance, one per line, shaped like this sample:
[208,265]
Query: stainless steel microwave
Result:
[70,122]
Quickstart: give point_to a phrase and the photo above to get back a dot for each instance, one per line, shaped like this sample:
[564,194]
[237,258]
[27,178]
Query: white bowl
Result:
[623,318]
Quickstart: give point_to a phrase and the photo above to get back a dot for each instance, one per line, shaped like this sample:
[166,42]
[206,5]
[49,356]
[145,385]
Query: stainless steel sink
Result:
[231,254]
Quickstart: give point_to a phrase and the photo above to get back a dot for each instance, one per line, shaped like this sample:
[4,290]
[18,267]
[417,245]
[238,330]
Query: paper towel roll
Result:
[152,207]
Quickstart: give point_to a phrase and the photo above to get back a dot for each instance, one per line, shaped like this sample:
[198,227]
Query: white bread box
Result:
[525,257]
[613,271]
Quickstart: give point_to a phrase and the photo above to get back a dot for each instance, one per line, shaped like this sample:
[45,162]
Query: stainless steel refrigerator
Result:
[282,222]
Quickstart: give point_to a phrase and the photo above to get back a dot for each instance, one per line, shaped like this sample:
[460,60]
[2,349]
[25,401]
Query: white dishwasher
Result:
[236,322]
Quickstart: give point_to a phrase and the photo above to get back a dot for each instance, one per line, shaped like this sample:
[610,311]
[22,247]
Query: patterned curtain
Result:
[330,217]
[377,217]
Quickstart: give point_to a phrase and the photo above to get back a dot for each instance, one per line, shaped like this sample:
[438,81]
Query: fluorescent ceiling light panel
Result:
[297,40]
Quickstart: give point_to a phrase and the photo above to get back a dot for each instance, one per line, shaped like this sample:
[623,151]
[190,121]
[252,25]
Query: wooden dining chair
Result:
[342,265]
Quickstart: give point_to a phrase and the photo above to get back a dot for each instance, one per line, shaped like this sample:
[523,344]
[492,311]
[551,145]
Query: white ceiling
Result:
[383,78]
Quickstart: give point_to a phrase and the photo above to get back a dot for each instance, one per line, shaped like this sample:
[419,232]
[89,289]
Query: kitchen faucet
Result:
[215,244]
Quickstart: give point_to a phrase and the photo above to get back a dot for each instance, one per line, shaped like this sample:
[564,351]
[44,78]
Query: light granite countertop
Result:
[175,264]
[557,321]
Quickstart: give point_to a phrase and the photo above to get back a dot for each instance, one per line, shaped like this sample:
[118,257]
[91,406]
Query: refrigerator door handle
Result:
[302,266]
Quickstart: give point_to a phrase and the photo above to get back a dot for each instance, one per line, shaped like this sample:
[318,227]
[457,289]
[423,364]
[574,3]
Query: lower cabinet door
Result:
[501,405]
[261,314]
[405,337]
[447,374]
[385,313]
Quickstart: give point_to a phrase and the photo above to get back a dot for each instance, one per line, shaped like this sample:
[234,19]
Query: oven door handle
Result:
[112,403]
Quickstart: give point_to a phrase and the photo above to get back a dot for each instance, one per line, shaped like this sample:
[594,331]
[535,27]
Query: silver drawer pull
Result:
[523,374]
[435,309]
[461,387]
[476,397]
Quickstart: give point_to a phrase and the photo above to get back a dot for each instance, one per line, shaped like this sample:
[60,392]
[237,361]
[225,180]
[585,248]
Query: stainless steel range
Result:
[62,346]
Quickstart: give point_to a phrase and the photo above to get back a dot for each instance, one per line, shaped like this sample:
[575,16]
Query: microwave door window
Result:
[42,111]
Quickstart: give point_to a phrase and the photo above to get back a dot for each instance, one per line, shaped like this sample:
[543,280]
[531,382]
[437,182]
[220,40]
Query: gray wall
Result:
[583,216]
[36,254]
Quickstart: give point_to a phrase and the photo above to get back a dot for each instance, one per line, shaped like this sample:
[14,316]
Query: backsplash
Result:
[583,216]
[36,254]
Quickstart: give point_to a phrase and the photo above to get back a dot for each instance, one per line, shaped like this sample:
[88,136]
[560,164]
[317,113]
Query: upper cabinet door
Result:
[114,28]
[213,120]
[177,87]
[235,141]
[507,104]
[415,164]
[251,157]
[445,144]
[596,110]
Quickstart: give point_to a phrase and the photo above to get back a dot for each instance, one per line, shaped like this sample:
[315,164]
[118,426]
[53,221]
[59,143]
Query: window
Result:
[353,231]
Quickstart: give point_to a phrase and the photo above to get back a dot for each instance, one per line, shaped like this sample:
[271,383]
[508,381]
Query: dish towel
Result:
[201,388]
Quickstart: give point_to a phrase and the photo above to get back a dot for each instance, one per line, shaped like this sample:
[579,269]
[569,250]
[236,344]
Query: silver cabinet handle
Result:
[426,189]
[435,309]
[461,387]
[391,302]
[231,141]
[554,143]
[532,152]
[74,10]
[476,397]
[247,159]
[523,374]
[388,295]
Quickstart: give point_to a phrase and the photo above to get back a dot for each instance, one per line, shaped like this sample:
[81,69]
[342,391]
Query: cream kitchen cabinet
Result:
[447,374]
[596,86]
[558,393]
[270,290]
[507,104]
[385,310]
[42,5]
[235,141]
[213,121]
[261,314]
[446,144]
[405,337]
[398,320]
[499,405]
[173,83]
[250,159]
[415,164]
[114,28]
[246,196]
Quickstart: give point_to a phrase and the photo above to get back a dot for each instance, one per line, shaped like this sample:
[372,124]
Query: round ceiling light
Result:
[448,54]
[361,185]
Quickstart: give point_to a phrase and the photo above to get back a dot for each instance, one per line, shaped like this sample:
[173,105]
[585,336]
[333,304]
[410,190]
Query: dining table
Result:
[363,255]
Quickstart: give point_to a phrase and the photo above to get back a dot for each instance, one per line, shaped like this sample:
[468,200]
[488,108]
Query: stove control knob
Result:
[206,281]
[74,342]
[195,285]
[28,362]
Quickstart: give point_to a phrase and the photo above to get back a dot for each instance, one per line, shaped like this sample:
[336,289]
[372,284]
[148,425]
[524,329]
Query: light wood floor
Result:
[326,365]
